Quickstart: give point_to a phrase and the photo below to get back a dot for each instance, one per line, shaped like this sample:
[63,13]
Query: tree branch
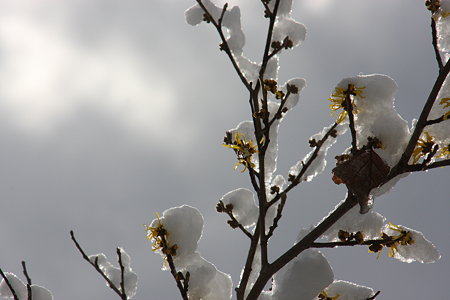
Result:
[25,273]
[240,290]
[400,167]
[302,245]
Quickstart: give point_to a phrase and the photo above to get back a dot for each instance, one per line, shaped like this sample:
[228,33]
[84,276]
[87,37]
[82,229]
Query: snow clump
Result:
[114,274]
[183,226]
[420,250]
[245,209]
[370,224]
[37,292]
[344,290]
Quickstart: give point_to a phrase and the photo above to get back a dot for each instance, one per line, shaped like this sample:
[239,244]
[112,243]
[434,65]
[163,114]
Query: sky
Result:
[111,111]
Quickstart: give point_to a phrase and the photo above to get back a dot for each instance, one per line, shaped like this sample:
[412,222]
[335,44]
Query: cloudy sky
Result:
[113,110]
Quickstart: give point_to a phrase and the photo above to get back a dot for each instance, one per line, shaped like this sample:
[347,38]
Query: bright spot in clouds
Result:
[46,77]
[316,6]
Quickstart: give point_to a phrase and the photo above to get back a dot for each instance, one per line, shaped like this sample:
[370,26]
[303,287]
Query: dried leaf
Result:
[361,173]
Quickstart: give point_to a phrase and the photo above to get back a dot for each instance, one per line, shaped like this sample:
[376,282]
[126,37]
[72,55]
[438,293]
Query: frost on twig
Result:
[12,287]
[122,280]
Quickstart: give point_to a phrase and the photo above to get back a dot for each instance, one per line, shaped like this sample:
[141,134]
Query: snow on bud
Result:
[370,224]
[244,206]
[288,32]
[303,278]
[344,290]
[231,20]
[413,247]
[294,86]
[195,14]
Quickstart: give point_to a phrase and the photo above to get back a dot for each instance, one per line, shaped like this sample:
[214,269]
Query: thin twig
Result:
[122,273]
[277,217]
[374,296]
[236,223]
[13,292]
[173,271]
[435,44]
[434,121]
[278,114]
[96,266]
[351,118]
[25,273]
[355,243]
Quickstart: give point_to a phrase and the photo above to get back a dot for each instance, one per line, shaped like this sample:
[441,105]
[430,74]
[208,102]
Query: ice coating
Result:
[303,278]
[206,282]
[370,224]
[245,209]
[17,285]
[114,274]
[284,7]
[443,25]
[348,291]
[422,250]
[37,292]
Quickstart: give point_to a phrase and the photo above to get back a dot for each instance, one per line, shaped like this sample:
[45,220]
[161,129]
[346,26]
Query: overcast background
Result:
[112,110]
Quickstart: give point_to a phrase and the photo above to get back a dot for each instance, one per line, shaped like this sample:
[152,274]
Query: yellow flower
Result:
[244,150]
[446,103]
[445,152]
[403,238]
[323,296]
[423,147]
[156,234]
[392,241]
[338,100]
